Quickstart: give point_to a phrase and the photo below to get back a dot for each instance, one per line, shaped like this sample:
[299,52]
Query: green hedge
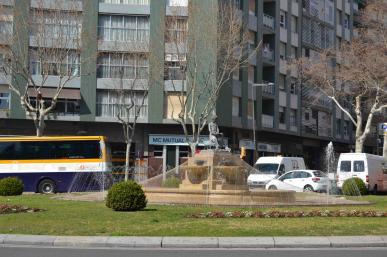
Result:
[11,186]
[354,187]
[126,196]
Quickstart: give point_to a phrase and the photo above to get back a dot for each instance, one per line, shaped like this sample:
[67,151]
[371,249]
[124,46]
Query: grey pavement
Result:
[193,242]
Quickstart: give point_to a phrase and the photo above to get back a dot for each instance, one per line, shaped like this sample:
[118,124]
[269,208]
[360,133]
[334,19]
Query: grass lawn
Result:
[63,217]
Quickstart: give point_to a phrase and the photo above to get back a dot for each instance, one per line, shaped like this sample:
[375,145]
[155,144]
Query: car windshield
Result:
[319,173]
[267,168]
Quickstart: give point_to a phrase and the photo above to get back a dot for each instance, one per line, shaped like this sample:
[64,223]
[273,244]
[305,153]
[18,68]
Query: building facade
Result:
[289,119]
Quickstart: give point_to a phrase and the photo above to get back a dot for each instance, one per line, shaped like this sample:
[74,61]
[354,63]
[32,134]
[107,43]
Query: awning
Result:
[47,92]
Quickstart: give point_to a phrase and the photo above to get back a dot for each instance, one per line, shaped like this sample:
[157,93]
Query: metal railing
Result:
[268,21]
[270,90]
[267,121]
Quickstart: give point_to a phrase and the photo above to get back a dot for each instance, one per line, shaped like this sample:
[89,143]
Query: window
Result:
[293,117]
[281,82]
[293,52]
[177,3]
[175,66]
[108,103]
[346,128]
[345,166]
[5,101]
[236,106]
[252,8]
[306,116]
[304,174]
[283,17]
[131,2]
[49,150]
[293,88]
[294,24]
[251,73]
[158,151]
[176,29]
[338,127]
[282,49]
[173,105]
[358,166]
[62,107]
[123,28]
[54,62]
[56,24]
[339,19]
[282,114]
[122,65]
[287,176]
[346,21]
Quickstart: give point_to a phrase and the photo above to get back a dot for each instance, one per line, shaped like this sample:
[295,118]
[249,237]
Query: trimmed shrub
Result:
[126,196]
[354,187]
[11,186]
[172,182]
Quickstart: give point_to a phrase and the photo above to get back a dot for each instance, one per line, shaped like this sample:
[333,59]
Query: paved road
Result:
[70,252]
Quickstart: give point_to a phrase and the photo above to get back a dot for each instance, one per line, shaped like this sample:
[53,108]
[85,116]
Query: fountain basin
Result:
[218,197]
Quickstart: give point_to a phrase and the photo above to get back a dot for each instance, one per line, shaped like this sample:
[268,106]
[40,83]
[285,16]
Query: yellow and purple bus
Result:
[55,164]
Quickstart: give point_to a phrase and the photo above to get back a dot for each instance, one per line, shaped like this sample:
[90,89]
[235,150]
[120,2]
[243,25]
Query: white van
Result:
[267,168]
[370,168]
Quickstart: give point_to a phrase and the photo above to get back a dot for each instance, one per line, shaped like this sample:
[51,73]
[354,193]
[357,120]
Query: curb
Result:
[193,242]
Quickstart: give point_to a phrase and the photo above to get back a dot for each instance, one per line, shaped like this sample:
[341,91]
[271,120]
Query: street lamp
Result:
[252,94]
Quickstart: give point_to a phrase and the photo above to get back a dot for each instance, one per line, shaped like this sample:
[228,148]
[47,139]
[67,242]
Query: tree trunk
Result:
[193,148]
[127,157]
[39,126]
[385,146]
[359,145]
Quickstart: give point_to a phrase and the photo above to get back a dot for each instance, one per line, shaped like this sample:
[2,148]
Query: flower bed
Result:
[7,209]
[289,214]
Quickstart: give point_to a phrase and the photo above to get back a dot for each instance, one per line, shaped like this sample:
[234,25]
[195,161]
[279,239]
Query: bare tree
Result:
[45,42]
[225,39]
[131,92]
[353,76]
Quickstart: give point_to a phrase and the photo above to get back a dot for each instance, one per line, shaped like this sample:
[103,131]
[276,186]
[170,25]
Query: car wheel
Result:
[308,188]
[272,187]
[47,186]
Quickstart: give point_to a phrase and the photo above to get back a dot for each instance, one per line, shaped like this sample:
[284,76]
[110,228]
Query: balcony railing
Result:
[268,89]
[267,121]
[268,54]
[268,21]
[111,110]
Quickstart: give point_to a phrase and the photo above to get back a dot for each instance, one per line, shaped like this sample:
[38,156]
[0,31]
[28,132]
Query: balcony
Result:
[268,22]
[267,121]
[270,90]
[268,54]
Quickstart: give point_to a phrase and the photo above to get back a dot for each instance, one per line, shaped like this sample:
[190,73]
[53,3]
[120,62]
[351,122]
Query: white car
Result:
[300,181]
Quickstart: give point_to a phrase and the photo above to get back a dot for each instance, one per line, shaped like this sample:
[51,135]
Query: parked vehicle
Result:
[300,181]
[267,168]
[372,169]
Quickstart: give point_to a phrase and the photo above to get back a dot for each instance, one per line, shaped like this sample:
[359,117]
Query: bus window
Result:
[7,150]
[77,150]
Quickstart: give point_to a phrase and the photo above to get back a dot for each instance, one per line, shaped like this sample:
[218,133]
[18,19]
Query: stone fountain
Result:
[214,177]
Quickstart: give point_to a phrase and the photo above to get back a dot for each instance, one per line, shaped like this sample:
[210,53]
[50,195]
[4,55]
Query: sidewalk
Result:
[193,242]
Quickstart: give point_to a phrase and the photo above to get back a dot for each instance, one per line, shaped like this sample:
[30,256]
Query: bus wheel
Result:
[47,186]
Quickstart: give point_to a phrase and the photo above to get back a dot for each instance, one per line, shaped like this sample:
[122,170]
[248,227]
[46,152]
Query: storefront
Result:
[263,149]
[169,151]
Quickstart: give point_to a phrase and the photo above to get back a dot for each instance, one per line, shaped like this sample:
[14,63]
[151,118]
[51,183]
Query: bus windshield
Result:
[267,168]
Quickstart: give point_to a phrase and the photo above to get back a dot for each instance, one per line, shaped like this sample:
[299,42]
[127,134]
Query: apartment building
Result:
[287,117]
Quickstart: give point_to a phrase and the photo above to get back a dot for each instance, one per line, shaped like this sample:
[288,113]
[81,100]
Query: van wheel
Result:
[47,186]
[308,188]
[272,187]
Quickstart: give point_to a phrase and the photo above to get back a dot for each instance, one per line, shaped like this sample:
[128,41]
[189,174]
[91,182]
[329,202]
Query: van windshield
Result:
[267,168]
